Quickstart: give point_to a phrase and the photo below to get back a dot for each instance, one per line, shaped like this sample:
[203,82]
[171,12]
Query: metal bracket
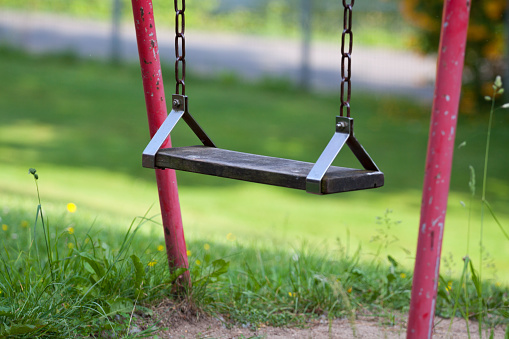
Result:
[179,110]
[343,134]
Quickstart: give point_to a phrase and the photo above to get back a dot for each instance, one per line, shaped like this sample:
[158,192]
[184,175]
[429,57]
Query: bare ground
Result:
[179,321]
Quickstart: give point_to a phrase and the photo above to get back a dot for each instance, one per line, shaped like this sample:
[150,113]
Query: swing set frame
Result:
[438,161]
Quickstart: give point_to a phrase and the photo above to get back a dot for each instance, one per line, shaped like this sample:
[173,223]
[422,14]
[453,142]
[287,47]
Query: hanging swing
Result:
[317,178]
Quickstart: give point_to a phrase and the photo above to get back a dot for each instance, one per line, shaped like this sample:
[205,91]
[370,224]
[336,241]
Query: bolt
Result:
[176,102]
[341,124]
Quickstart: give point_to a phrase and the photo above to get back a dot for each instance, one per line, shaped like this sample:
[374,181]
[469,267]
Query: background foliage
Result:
[485,56]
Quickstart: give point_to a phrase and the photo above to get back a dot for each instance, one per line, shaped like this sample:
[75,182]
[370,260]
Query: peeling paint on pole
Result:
[148,50]
[438,167]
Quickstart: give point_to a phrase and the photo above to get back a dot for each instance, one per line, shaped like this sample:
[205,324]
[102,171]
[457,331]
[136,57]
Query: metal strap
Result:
[344,134]
[315,176]
[179,110]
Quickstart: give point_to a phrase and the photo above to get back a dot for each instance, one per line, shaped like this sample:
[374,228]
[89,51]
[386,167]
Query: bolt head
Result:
[176,102]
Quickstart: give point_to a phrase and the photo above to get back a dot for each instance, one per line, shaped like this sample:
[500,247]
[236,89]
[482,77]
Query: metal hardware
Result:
[180,46]
[315,176]
[341,125]
[361,154]
[314,182]
[149,154]
[346,58]
[344,134]
[179,111]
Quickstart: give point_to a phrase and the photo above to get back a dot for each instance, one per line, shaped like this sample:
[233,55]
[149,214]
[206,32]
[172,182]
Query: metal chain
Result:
[346,57]
[180,46]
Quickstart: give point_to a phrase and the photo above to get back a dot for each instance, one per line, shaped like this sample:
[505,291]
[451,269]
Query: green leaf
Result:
[443,291]
[393,261]
[120,305]
[504,313]
[356,272]
[506,332]
[95,263]
[475,279]
[177,273]
[219,267]
[22,329]
[139,271]
[487,98]
[144,310]
[6,312]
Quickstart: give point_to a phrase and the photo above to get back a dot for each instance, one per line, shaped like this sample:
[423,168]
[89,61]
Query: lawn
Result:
[83,126]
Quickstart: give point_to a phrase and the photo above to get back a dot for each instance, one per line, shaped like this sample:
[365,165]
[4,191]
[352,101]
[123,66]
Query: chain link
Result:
[180,47]
[346,57]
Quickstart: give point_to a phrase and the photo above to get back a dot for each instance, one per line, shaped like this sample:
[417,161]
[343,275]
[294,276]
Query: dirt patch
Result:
[182,322]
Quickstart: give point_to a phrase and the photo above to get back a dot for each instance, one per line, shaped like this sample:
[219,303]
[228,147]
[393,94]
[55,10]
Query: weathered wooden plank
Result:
[262,169]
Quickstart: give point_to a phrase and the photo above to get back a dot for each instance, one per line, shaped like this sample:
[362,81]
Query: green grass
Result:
[83,126]
[85,131]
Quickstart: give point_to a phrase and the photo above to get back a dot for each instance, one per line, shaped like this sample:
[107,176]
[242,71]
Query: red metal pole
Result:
[438,167]
[155,100]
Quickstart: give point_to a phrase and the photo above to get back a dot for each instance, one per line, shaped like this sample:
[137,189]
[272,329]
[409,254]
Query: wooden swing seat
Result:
[263,169]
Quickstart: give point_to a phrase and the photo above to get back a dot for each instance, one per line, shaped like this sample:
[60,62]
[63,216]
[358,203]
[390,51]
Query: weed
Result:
[65,286]
[489,306]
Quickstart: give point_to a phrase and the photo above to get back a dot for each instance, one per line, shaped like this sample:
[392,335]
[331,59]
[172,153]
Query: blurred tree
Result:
[485,55]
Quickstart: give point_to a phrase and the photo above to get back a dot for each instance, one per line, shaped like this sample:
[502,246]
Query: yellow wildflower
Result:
[24,224]
[70,245]
[71,207]
[206,247]
[5,227]
[189,253]
[230,237]
[498,284]
[402,275]
[290,294]
[160,248]
[349,290]
[198,262]
[70,230]
[152,263]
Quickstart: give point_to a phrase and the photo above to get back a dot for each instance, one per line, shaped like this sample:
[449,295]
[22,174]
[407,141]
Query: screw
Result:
[341,124]
[176,102]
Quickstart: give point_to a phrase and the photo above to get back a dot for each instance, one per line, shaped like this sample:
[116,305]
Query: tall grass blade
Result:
[496,219]
[35,235]
[457,296]
[478,288]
